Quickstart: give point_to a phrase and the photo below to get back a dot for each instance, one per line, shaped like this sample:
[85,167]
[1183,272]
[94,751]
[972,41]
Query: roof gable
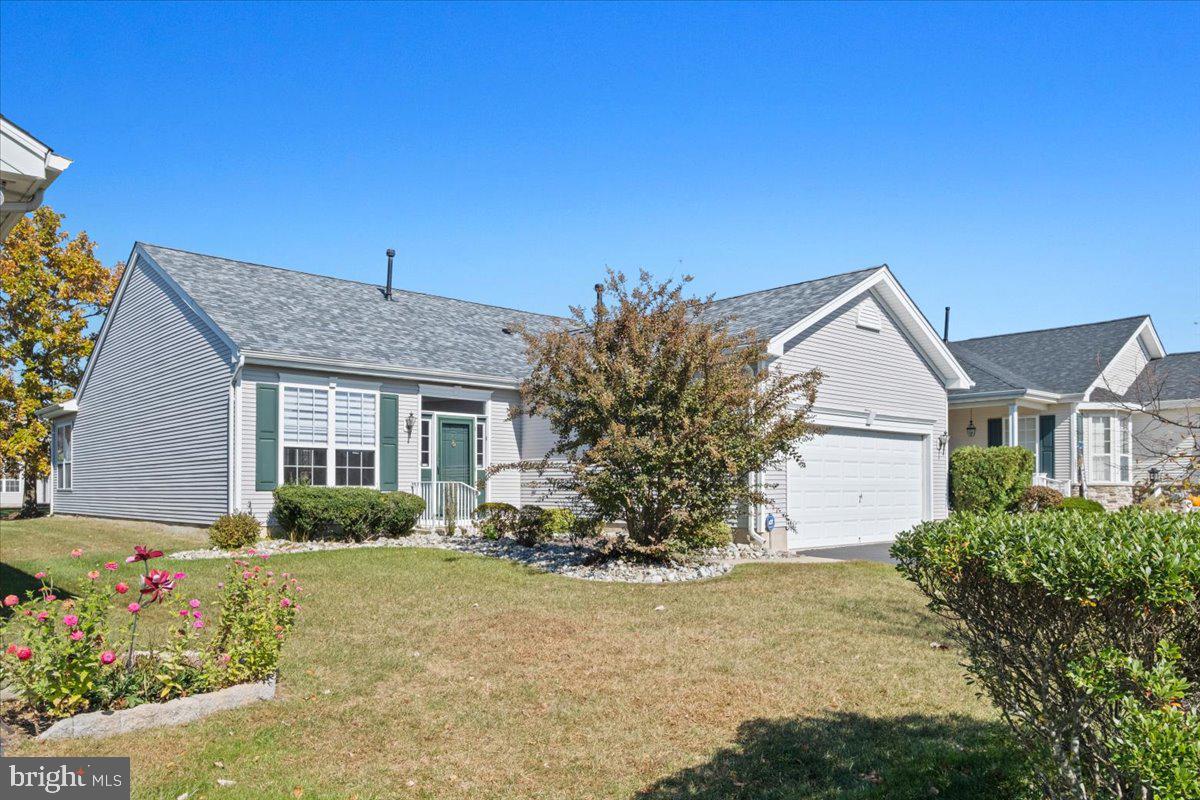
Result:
[1172,377]
[1065,360]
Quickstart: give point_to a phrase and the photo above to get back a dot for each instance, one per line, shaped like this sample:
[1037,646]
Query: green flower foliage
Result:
[1056,613]
[984,479]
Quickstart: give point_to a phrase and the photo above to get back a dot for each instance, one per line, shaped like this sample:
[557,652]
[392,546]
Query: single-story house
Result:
[1094,403]
[213,381]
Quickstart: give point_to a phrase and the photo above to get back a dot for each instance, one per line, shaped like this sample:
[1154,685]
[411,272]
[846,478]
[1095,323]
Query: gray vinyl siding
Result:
[1120,374]
[872,370]
[151,438]
[504,447]
[536,440]
[1165,444]
[1062,441]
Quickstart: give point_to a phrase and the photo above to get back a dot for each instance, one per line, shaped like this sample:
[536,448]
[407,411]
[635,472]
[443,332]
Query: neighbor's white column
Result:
[1012,425]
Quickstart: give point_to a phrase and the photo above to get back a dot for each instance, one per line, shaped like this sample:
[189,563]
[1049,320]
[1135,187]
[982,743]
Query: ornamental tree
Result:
[51,287]
[660,409]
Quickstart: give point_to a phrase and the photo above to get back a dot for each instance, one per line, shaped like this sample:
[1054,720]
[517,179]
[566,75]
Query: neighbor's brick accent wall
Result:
[1111,497]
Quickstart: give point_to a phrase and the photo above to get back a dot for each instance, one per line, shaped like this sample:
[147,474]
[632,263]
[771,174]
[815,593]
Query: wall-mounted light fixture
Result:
[410,423]
[943,440]
[971,426]
[1153,475]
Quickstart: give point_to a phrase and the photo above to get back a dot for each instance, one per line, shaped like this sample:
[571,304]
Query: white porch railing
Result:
[1060,485]
[437,494]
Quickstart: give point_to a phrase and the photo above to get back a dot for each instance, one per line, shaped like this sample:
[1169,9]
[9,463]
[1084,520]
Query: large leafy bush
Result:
[323,512]
[984,479]
[1082,504]
[1044,604]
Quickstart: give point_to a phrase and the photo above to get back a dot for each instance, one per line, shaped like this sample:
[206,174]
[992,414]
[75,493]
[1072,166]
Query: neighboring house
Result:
[1074,396]
[213,381]
[12,488]
[27,167]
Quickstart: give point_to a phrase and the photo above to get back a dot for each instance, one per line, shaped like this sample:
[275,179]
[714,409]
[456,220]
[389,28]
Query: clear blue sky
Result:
[1029,165]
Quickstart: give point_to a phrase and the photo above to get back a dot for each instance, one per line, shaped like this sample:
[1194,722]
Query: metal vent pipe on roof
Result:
[387,293]
[946,326]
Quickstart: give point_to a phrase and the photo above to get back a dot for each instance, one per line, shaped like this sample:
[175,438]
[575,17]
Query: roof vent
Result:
[387,293]
[868,317]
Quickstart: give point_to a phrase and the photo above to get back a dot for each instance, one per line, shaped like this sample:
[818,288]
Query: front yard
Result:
[433,674]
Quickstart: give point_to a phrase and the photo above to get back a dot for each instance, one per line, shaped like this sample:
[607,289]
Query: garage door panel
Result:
[856,486]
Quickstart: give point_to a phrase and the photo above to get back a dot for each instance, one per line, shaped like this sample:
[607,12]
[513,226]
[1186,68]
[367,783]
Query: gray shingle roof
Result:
[771,311]
[275,310]
[1173,377]
[1061,360]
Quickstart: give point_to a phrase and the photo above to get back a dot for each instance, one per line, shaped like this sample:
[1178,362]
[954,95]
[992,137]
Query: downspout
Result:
[235,435]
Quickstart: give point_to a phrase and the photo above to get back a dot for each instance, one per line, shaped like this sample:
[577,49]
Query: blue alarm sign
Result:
[770,522]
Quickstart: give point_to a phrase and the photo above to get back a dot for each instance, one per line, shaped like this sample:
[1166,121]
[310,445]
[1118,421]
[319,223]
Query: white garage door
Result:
[855,486]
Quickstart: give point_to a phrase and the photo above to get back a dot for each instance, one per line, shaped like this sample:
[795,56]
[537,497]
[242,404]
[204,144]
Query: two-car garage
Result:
[856,486]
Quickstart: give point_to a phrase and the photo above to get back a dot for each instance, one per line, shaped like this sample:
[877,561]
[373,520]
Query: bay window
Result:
[318,420]
[1107,443]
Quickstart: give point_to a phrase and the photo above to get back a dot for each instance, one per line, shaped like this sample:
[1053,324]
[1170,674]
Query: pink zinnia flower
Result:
[76,553]
[76,635]
[121,588]
[198,623]
[179,576]
[50,598]
[92,575]
[24,653]
[11,600]
[39,575]
[141,553]
[245,576]
[107,657]
[110,565]
[70,620]
[285,603]
[197,614]
[194,603]
[183,612]
[134,608]
[12,648]
[42,617]
[224,658]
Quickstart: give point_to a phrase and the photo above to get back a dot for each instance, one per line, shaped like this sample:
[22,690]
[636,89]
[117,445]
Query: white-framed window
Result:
[1027,435]
[329,436]
[12,483]
[480,439]
[1108,448]
[426,426]
[63,456]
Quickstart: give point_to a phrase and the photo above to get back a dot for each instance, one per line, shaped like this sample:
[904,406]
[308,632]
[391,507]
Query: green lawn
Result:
[432,674]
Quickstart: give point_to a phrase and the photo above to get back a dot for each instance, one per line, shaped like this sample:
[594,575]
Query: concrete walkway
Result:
[859,552]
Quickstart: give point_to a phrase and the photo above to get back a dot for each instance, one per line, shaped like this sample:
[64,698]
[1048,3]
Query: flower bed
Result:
[64,656]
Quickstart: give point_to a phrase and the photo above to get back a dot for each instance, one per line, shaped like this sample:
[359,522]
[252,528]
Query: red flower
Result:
[121,588]
[141,553]
[11,600]
[24,653]
[156,584]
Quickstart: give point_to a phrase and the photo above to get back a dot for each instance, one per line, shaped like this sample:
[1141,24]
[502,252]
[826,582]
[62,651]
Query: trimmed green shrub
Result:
[558,520]
[497,519]
[1039,498]
[344,512]
[1056,614]
[1082,504]
[401,511]
[531,526]
[704,537]
[985,479]
[232,531]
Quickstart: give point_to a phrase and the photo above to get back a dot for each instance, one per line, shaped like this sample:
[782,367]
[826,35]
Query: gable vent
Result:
[868,317]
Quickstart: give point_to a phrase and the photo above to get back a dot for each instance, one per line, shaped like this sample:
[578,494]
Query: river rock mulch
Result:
[574,559]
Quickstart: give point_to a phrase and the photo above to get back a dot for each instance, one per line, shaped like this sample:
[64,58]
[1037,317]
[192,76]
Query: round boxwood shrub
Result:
[530,526]
[984,479]
[1061,618]
[1040,498]
[401,511]
[558,520]
[1082,504]
[496,519]
[232,531]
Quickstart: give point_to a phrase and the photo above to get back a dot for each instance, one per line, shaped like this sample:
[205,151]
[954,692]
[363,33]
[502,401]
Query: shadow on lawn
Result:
[18,582]
[843,755]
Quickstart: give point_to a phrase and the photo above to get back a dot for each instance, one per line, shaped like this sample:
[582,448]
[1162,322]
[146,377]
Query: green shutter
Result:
[995,432]
[1046,440]
[266,436]
[389,442]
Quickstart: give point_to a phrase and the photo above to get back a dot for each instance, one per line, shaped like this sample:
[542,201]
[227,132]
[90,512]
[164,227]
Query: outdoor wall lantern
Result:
[1153,475]
[943,440]
[971,426]
[410,423]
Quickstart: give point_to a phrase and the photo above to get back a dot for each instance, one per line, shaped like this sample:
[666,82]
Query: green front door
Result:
[455,461]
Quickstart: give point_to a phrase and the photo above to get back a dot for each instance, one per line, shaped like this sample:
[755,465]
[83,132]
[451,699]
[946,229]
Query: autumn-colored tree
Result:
[660,409]
[51,287]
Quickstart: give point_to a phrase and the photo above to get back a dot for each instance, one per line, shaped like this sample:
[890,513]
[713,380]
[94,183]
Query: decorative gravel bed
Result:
[573,559]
